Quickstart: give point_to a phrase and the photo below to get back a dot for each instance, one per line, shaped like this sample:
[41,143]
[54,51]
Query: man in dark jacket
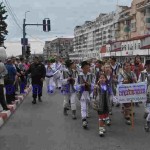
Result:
[10,82]
[38,72]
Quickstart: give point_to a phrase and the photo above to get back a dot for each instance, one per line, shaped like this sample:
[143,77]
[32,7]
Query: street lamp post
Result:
[24,34]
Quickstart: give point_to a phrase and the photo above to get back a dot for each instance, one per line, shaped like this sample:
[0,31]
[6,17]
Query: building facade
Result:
[133,34]
[92,35]
[122,33]
[60,47]
[135,20]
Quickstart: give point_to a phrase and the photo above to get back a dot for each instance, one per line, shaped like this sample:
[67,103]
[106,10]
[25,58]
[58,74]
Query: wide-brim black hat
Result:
[147,62]
[84,63]
[68,63]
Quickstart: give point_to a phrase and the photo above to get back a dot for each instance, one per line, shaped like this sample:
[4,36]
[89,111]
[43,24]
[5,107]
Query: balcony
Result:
[133,25]
[143,5]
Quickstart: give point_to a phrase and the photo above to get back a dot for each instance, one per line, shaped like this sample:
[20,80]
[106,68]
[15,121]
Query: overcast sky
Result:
[64,15]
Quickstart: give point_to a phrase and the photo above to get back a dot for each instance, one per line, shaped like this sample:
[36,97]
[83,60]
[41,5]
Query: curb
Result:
[4,115]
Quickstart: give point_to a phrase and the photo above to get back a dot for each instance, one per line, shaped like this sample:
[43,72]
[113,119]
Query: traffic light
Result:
[28,51]
[44,25]
[48,25]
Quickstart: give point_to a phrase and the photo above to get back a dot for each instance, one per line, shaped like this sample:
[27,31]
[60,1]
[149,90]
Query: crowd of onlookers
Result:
[13,79]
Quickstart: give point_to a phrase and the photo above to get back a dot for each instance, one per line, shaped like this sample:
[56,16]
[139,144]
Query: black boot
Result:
[34,101]
[65,112]
[84,123]
[74,114]
[40,100]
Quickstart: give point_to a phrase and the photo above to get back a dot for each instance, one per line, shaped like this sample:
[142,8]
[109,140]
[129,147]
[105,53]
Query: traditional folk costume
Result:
[50,79]
[127,106]
[145,77]
[86,84]
[68,79]
[97,70]
[57,66]
[115,73]
[110,82]
[102,105]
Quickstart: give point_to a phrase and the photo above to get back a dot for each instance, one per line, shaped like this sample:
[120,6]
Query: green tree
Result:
[3,24]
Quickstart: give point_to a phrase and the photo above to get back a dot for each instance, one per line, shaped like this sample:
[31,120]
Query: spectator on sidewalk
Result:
[22,81]
[10,82]
[3,72]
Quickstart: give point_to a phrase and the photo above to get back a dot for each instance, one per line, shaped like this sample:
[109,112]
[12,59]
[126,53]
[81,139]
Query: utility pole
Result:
[24,36]
[24,41]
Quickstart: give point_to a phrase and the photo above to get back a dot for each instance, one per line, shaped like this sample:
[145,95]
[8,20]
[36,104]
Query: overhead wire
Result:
[10,11]
[15,19]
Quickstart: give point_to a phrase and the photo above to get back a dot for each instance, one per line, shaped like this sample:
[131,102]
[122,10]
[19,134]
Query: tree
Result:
[3,24]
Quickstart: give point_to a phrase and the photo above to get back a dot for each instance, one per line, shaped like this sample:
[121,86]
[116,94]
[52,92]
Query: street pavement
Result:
[44,127]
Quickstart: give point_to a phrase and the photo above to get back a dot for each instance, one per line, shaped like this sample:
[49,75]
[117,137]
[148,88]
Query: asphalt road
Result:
[44,127]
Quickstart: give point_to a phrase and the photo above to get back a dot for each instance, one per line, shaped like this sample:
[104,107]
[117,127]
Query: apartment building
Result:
[133,33]
[92,35]
[134,21]
[60,47]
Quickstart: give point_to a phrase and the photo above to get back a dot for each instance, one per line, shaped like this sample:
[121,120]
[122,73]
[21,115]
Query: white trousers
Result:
[50,83]
[57,82]
[72,97]
[85,101]
[84,108]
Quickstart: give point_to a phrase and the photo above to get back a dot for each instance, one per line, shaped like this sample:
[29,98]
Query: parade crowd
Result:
[91,82]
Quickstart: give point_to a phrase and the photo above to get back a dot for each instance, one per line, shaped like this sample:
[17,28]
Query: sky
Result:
[64,16]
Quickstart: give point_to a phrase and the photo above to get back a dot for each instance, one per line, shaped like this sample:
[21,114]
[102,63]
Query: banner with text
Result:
[135,92]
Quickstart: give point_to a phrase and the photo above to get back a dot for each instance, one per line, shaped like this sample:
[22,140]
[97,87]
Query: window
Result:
[125,47]
[147,20]
[139,45]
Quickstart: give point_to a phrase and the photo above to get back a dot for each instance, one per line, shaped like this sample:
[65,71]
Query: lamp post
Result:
[26,13]
[24,34]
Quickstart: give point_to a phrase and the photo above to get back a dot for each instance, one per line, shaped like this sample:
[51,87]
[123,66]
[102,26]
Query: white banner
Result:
[135,92]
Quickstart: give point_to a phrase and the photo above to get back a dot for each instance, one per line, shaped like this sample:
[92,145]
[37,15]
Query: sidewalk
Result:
[4,115]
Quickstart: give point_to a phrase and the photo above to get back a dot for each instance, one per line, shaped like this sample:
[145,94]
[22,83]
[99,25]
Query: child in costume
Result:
[49,77]
[68,79]
[85,81]
[127,77]
[102,102]
[57,67]
[110,81]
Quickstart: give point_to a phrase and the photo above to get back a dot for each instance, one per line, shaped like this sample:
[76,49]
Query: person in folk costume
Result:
[127,77]
[137,68]
[145,77]
[110,81]
[102,104]
[115,72]
[85,82]
[57,67]
[98,69]
[49,77]
[68,79]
